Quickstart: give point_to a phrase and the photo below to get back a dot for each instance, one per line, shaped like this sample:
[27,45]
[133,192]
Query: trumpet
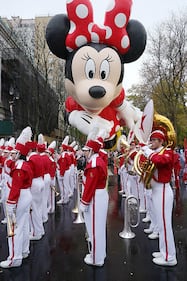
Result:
[131,217]
[55,191]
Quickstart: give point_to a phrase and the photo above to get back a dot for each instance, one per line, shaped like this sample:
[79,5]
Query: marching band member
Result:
[73,169]
[18,203]
[94,202]
[52,171]
[41,149]
[162,196]
[123,148]
[37,187]
[64,163]
[176,169]
[6,178]
[141,191]
[132,181]
[2,141]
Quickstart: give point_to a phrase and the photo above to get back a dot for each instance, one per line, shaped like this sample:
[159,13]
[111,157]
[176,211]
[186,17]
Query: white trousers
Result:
[64,186]
[45,196]
[36,222]
[51,197]
[95,220]
[72,179]
[19,243]
[141,189]
[162,196]
[124,177]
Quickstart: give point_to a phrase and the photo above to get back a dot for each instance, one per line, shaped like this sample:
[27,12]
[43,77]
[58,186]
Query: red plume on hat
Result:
[22,140]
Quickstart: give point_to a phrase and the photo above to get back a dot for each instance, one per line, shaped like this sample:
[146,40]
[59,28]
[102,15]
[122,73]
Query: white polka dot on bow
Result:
[72,27]
[94,37]
[82,11]
[80,40]
[108,32]
[120,20]
[125,42]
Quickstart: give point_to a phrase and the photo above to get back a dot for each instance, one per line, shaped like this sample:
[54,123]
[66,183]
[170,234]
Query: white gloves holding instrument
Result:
[83,208]
[146,151]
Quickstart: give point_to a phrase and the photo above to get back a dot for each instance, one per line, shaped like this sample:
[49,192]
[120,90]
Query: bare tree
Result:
[164,72]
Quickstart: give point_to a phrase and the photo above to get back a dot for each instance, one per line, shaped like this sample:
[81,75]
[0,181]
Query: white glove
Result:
[11,211]
[146,151]
[86,123]
[83,208]
[129,113]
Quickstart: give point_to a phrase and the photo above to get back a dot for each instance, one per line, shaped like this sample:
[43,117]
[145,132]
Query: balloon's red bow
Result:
[83,30]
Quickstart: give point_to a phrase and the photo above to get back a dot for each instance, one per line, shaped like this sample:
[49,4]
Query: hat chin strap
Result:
[16,156]
[91,152]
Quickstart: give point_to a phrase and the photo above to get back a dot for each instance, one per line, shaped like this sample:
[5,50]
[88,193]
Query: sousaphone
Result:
[142,165]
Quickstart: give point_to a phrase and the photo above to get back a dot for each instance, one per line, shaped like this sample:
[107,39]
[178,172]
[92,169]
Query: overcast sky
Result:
[148,12]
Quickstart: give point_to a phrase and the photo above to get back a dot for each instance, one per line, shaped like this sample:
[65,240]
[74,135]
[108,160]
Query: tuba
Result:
[131,217]
[143,166]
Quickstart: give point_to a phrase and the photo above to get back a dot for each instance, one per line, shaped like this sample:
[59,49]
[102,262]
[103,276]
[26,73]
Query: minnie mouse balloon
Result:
[95,57]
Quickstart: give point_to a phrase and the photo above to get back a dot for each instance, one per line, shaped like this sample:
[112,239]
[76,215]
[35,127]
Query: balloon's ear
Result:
[137,35]
[56,32]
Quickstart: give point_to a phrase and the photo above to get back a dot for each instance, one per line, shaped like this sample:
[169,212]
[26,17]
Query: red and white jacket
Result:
[52,168]
[46,162]
[22,175]
[64,162]
[164,164]
[95,175]
[36,164]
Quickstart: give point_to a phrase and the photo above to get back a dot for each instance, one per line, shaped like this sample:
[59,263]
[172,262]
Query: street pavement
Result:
[59,255]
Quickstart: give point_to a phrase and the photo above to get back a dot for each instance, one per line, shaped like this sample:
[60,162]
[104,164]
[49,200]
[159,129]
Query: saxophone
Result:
[142,165]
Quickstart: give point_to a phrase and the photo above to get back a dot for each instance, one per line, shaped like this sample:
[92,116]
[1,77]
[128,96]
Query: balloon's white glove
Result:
[83,208]
[129,113]
[146,151]
[87,123]
[11,211]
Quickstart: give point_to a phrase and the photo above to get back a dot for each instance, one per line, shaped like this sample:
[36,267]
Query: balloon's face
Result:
[95,78]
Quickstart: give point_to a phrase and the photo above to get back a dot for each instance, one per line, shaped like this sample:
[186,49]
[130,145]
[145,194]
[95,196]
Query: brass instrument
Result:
[143,166]
[122,144]
[131,217]
[79,218]
[55,191]
[10,225]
